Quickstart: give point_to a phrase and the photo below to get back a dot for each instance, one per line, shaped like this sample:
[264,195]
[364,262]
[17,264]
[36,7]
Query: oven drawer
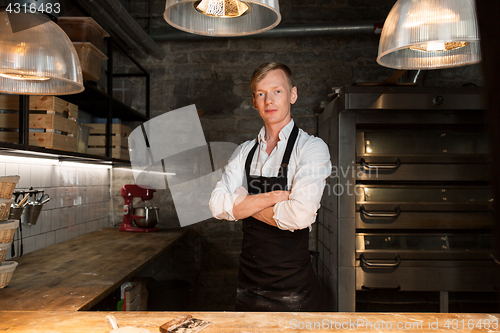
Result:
[397,219]
[422,155]
[422,142]
[401,169]
[406,198]
[428,276]
[396,247]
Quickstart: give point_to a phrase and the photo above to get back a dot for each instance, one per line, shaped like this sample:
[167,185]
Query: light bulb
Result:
[24,77]
[222,8]
[438,46]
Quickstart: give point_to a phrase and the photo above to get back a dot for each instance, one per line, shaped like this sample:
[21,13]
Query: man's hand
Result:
[278,196]
[252,204]
[266,215]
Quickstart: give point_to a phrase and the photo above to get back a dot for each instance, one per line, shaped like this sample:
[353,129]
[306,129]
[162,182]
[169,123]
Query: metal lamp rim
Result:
[385,64]
[253,2]
[471,40]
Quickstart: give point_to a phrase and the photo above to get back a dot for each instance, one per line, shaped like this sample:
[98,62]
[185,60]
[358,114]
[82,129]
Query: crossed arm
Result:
[286,210]
[259,206]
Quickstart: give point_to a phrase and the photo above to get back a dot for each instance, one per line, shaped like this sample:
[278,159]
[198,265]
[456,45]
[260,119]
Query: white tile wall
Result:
[80,200]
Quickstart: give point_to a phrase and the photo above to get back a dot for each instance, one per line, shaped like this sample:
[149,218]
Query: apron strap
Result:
[286,156]
[250,158]
[289,146]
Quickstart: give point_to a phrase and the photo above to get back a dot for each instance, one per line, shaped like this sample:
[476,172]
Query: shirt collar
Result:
[284,133]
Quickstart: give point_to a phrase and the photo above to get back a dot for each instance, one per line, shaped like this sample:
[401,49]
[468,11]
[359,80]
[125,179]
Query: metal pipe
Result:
[296,30]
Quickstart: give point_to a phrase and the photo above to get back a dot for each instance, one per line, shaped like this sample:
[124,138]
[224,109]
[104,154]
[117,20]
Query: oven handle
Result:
[367,166]
[398,288]
[378,265]
[392,215]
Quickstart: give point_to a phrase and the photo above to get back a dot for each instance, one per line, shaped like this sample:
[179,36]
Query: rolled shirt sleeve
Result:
[308,183]
[223,196]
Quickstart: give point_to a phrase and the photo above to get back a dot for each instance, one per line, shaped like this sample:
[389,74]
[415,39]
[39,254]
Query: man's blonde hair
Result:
[259,74]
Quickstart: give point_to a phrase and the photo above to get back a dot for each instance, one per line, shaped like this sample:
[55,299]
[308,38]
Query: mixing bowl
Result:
[151,216]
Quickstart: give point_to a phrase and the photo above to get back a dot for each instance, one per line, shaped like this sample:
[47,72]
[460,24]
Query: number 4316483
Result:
[33,8]
[487,324]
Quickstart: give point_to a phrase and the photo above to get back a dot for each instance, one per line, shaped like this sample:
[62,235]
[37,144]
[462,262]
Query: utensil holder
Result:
[31,213]
[15,213]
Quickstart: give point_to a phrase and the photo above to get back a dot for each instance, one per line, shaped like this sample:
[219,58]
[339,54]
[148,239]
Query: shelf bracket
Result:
[24,120]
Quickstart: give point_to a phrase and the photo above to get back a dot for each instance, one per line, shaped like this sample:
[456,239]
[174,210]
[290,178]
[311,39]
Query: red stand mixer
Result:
[129,192]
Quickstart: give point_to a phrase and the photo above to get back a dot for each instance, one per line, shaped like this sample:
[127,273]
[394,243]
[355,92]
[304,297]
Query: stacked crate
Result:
[88,38]
[52,122]
[119,140]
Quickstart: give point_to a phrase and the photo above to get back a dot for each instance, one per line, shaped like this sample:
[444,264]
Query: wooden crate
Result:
[49,122]
[52,122]
[136,297]
[51,104]
[119,140]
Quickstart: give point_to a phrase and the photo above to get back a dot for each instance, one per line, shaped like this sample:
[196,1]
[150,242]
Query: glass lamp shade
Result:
[223,18]
[430,34]
[37,61]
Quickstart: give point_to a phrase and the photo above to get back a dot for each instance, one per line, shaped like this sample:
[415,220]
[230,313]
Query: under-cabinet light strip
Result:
[48,161]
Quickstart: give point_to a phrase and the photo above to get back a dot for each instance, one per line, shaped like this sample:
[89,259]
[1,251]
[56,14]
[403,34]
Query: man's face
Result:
[273,96]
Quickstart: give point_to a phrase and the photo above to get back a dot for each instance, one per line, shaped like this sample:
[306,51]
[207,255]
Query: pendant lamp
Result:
[430,34]
[36,56]
[223,18]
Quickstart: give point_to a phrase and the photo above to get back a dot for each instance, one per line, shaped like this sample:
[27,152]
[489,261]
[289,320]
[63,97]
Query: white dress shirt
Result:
[308,169]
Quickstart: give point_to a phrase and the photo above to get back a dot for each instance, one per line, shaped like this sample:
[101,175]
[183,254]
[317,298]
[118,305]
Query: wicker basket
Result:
[6,271]
[5,208]
[4,249]
[7,230]
[7,185]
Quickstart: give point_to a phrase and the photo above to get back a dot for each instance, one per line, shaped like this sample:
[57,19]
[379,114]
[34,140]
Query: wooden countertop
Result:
[222,322]
[78,273]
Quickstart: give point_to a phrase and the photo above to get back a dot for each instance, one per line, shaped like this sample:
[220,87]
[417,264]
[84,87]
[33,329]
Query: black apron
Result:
[275,272]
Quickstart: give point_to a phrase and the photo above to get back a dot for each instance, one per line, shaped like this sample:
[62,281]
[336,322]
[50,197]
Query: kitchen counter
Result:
[69,322]
[78,273]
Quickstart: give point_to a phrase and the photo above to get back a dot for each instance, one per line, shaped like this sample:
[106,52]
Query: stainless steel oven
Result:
[416,214]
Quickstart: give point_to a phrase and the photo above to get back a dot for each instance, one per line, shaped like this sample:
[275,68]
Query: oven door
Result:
[423,207]
[424,262]
[422,155]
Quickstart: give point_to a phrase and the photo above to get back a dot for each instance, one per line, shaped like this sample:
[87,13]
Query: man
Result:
[285,172]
